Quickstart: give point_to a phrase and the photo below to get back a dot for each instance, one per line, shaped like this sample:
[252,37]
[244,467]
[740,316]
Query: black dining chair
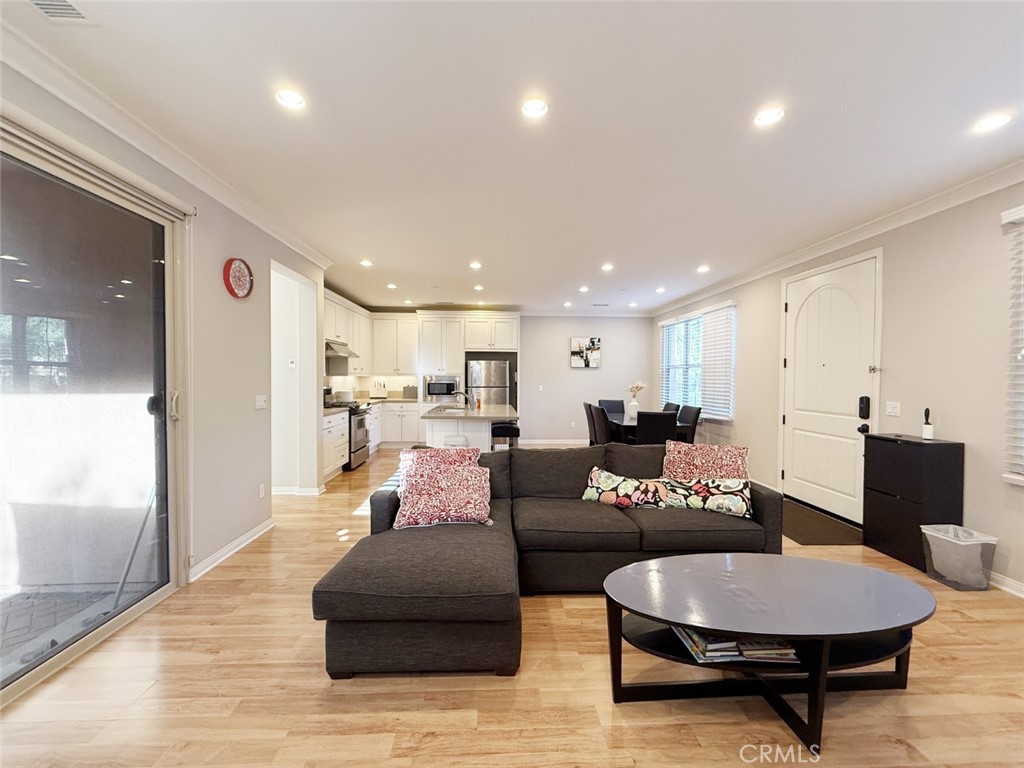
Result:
[673,407]
[655,427]
[602,427]
[589,410]
[613,406]
[686,426]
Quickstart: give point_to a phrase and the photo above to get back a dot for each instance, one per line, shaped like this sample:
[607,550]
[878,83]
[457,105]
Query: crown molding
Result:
[963,193]
[27,58]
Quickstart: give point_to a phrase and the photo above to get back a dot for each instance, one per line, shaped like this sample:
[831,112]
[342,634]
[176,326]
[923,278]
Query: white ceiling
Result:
[412,151]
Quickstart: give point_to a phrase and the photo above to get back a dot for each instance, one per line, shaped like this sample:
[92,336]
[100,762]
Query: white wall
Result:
[945,283]
[544,361]
[230,338]
[284,347]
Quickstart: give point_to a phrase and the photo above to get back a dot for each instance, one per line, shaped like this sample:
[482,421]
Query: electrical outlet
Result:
[891,408]
[572,425]
[540,387]
[263,490]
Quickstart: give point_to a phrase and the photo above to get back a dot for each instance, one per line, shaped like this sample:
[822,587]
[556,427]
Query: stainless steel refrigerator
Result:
[489,380]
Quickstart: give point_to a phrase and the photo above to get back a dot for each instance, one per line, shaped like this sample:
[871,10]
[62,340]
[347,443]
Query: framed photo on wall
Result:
[584,352]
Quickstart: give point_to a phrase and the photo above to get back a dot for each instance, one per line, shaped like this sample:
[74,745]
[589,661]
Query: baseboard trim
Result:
[1015,588]
[283,490]
[222,554]
[564,441]
[308,491]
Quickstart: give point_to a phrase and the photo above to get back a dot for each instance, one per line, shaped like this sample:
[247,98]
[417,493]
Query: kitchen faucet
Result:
[459,392]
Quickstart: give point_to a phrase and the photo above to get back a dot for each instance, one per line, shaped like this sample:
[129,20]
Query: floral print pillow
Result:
[414,459]
[730,497]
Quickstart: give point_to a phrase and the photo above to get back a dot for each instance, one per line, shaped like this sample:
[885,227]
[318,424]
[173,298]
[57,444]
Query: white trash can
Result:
[957,556]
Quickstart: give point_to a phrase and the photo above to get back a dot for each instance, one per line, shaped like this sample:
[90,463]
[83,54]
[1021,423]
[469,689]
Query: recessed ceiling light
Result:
[118,295]
[22,264]
[478,287]
[407,301]
[126,282]
[290,99]
[659,289]
[104,302]
[22,280]
[535,108]
[632,304]
[8,257]
[567,304]
[392,286]
[110,286]
[769,116]
[480,303]
[992,122]
[607,267]
[583,289]
[366,263]
[703,268]
[475,265]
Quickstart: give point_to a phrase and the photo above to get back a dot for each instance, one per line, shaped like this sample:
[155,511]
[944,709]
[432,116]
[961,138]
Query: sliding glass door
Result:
[83,459]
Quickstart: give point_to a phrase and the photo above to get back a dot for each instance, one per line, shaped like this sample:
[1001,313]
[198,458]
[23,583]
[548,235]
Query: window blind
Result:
[698,355]
[1015,389]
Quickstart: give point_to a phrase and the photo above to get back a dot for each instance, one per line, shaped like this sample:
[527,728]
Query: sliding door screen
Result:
[83,501]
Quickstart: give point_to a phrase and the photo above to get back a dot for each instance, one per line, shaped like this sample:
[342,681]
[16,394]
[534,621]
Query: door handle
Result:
[155,404]
[173,414]
[863,429]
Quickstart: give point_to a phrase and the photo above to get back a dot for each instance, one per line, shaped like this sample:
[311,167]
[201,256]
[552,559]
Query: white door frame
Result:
[874,253]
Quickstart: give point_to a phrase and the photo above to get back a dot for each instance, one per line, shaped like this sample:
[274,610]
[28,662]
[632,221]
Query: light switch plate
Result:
[891,408]
[261,402]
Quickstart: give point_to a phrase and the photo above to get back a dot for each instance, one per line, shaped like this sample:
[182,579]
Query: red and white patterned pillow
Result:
[445,494]
[685,462]
[433,458]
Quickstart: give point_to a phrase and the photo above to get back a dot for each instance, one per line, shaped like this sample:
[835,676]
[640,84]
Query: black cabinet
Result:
[910,482]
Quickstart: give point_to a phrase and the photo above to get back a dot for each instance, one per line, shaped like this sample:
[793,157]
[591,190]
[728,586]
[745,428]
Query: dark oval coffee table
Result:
[837,617]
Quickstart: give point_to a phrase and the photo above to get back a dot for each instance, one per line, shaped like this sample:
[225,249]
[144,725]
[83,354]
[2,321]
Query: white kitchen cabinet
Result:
[492,333]
[477,433]
[361,342]
[335,442]
[337,321]
[442,345]
[395,341]
[375,426]
[401,423]
[424,407]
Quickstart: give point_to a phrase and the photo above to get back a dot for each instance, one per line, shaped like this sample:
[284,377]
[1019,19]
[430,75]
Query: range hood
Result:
[338,349]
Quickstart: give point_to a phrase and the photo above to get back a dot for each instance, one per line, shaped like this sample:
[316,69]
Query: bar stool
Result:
[505,430]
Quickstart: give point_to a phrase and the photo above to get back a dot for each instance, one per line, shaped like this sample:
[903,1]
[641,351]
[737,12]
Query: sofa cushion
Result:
[553,473]
[695,530]
[443,573]
[501,483]
[634,460]
[572,525]
[444,493]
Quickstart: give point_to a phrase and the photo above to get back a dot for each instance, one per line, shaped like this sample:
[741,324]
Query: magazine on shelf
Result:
[700,656]
[770,650]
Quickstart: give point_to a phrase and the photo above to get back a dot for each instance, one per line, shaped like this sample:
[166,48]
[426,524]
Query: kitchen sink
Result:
[449,409]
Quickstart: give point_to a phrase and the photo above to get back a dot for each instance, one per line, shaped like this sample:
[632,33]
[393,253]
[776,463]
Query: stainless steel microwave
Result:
[441,389]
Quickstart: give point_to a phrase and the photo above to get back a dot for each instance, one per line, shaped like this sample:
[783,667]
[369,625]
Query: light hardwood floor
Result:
[229,671]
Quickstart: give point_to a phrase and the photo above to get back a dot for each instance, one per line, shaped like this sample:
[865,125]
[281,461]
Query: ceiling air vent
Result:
[599,305]
[58,9]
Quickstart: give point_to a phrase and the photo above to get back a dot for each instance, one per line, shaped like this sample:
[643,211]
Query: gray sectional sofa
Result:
[446,598]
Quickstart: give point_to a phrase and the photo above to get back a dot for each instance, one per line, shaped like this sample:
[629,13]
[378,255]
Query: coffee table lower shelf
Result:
[814,675]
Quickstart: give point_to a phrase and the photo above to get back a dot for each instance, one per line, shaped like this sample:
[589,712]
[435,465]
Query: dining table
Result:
[626,426]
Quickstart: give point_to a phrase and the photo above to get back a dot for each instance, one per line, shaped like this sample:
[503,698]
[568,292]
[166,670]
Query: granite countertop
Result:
[375,400]
[485,413]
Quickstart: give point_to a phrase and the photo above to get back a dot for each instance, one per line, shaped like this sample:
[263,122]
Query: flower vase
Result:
[632,408]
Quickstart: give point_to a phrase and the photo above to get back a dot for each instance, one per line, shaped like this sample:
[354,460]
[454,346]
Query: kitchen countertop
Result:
[376,400]
[486,413]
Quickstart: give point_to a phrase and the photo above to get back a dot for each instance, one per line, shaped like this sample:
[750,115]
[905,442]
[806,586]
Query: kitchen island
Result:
[447,421]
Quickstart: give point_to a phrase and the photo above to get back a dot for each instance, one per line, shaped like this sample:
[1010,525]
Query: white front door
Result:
[831,339]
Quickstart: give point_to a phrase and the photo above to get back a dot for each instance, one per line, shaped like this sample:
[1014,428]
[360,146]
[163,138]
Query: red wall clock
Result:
[238,278]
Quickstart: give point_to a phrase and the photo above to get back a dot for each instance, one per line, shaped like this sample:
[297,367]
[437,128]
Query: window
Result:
[33,353]
[1014,220]
[698,361]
